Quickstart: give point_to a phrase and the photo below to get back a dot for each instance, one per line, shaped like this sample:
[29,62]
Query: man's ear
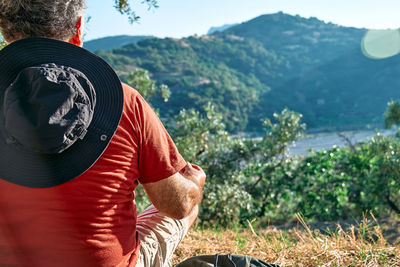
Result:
[77,39]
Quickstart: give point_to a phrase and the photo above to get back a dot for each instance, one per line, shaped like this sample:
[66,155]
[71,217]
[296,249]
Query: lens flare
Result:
[379,44]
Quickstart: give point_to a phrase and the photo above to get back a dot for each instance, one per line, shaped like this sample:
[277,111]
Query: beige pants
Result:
[159,237]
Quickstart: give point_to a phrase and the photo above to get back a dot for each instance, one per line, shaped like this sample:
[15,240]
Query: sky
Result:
[181,18]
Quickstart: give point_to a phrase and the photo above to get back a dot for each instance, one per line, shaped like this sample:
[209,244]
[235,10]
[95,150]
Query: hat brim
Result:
[36,170]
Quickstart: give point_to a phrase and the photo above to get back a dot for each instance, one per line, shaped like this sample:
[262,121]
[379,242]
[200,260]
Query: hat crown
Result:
[48,108]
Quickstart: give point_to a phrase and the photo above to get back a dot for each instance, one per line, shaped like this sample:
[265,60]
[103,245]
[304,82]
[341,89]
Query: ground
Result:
[367,243]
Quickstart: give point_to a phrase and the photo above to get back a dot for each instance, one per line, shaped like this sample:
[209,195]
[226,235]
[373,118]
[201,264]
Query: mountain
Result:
[261,66]
[220,28]
[112,42]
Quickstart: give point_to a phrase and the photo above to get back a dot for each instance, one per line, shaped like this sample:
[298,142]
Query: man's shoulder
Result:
[132,97]
[135,104]
[129,91]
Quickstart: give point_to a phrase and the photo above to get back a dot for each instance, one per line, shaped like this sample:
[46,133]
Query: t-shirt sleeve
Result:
[158,156]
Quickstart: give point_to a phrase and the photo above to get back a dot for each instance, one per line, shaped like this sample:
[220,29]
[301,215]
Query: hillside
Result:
[261,66]
[112,42]
[220,28]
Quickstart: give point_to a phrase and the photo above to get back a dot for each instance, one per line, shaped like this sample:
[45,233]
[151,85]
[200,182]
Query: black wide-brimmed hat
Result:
[60,105]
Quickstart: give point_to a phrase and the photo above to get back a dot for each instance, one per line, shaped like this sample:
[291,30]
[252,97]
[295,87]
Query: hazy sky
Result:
[178,18]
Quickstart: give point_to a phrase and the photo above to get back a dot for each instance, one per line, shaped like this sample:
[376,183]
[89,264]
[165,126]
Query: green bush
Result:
[236,167]
[340,183]
[256,178]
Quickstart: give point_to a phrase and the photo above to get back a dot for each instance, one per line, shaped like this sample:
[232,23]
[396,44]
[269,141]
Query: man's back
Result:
[91,220]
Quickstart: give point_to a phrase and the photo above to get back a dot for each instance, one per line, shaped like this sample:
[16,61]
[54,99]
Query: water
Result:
[328,140]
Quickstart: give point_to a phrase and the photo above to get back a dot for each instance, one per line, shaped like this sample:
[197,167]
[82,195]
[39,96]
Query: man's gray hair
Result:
[47,18]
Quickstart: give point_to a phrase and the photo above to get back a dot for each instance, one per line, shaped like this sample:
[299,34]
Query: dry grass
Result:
[361,246]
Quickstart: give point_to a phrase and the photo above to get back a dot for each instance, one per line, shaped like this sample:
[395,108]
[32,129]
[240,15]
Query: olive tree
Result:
[125,8]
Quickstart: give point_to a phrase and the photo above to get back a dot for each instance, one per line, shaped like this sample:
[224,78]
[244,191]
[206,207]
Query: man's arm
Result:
[177,195]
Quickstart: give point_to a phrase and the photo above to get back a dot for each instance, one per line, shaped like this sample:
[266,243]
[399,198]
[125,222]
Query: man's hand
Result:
[177,195]
[194,173]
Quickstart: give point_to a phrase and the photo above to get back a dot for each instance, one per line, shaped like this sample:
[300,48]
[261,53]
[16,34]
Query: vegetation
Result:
[250,178]
[392,114]
[237,187]
[257,68]
[2,42]
[256,178]
[124,7]
[140,80]
[198,78]
[108,43]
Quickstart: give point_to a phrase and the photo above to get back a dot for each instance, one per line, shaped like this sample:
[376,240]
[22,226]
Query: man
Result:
[74,144]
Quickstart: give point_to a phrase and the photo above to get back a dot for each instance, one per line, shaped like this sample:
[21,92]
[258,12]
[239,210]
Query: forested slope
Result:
[261,66]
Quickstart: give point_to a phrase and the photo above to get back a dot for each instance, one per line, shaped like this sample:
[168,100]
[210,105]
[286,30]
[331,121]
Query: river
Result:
[326,141]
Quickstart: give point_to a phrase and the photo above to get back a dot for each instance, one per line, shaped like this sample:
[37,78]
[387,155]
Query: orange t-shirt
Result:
[91,220]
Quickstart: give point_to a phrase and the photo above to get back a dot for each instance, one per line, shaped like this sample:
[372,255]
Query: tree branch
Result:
[262,176]
[347,140]
[392,204]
